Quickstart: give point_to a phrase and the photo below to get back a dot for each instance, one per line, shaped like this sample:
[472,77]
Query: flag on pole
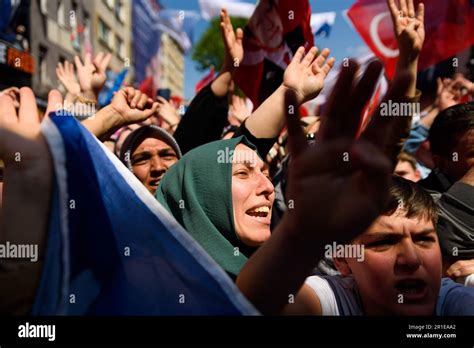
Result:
[321,23]
[113,249]
[113,84]
[449,28]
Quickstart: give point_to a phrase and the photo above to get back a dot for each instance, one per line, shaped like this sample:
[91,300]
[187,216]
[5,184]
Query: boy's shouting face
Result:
[401,271]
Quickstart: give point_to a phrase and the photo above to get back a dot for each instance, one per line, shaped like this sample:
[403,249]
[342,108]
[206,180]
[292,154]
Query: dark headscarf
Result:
[135,138]
[197,191]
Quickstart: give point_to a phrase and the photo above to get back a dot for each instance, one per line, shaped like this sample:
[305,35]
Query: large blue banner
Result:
[113,249]
[146,39]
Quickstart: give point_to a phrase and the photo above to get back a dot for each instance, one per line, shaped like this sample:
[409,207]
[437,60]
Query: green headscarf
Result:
[197,191]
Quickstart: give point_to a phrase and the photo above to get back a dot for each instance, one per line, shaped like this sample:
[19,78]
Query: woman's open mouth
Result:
[261,214]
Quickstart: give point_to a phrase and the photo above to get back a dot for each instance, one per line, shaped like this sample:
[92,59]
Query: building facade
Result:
[172,65]
[61,29]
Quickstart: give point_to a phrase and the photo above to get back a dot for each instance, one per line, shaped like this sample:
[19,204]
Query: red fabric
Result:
[301,16]
[147,87]
[272,19]
[303,111]
[369,109]
[448,24]
[207,79]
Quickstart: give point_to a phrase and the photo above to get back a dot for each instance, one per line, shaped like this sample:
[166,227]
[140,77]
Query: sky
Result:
[343,41]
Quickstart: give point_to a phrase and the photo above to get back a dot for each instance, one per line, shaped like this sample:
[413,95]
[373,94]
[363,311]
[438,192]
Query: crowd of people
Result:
[397,196]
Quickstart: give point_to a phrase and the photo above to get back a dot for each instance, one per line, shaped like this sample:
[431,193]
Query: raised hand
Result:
[168,112]
[67,77]
[238,110]
[14,94]
[28,166]
[305,74]
[133,106]
[234,50]
[26,194]
[353,173]
[335,189]
[20,130]
[463,84]
[460,269]
[446,94]
[409,28]
[127,107]
[91,74]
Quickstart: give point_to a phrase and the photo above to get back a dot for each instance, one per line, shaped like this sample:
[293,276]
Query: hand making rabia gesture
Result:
[91,73]
[336,189]
[409,30]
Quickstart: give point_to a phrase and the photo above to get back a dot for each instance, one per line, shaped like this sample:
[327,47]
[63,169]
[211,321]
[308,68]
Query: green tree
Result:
[209,50]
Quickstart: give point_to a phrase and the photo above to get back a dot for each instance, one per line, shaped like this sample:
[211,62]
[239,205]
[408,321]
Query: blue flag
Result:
[113,84]
[113,249]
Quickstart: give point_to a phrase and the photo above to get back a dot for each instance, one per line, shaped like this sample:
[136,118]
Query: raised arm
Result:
[234,53]
[349,193]
[305,77]
[409,30]
[67,77]
[128,106]
[26,196]
[91,74]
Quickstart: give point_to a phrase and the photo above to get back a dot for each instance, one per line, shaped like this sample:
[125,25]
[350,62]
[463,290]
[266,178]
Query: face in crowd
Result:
[406,170]
[461,159]
[451,139]
[252,196]
[150,161]
[400,273]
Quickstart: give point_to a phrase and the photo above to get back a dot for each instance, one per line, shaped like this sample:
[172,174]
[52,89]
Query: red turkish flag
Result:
[449,27]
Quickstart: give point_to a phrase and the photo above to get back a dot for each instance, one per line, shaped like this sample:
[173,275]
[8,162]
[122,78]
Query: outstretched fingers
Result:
[421,13]
[239,35]
[308,59]
[326,68]
[322,63]
[393,9]
[78,63]
[60,71]
[104,63]
[298,55]
[411,9]
[404,7]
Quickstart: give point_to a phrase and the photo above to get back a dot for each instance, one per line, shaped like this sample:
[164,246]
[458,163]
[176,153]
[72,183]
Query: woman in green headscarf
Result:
[222,195]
